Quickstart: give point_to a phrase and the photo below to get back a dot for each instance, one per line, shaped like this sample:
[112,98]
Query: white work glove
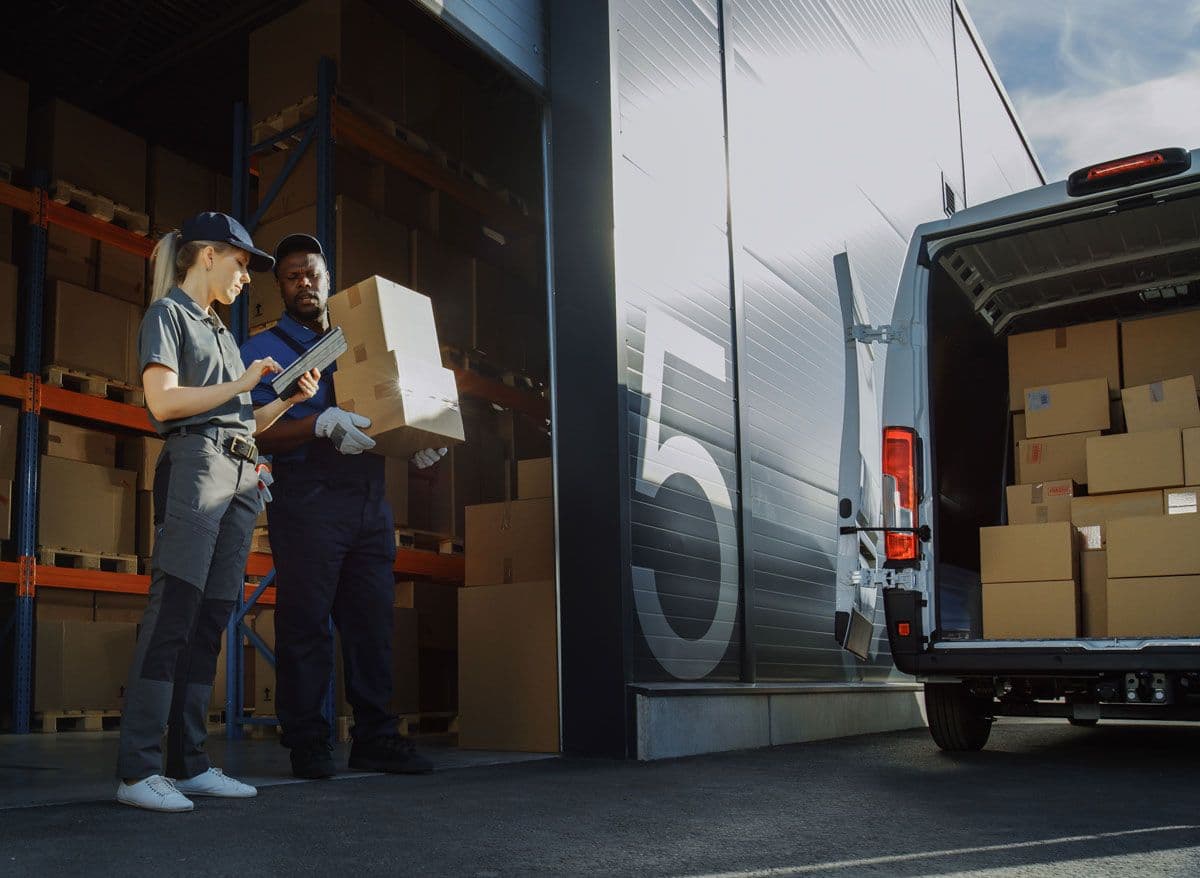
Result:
[265,480]
[428,457]
[342,429]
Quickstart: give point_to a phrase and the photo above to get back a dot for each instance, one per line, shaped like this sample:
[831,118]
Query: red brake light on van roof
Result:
[900,464]
[1129,170]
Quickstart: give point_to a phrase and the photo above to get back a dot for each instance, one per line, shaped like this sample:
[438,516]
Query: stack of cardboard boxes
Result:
[507,624]
[1103,523]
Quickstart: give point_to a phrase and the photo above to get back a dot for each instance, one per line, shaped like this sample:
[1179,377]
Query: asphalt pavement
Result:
[1043,799]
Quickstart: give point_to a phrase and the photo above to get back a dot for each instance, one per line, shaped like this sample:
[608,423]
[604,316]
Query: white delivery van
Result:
[1116,240]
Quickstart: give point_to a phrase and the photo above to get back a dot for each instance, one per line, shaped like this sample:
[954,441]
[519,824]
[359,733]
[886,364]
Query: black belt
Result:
[235,445]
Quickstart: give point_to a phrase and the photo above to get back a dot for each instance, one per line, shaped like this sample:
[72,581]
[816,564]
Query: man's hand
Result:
[342,429]
[307,388]
[428,457]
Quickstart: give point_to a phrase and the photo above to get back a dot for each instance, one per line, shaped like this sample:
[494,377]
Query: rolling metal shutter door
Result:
[513,31]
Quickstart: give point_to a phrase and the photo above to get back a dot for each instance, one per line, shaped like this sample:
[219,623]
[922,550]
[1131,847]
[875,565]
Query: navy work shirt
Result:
[317,458]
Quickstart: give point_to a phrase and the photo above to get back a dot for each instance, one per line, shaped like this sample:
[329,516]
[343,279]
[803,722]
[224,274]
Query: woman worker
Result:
[207,494]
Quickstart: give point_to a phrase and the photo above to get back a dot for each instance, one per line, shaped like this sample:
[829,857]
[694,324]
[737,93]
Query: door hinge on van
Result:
[866,334]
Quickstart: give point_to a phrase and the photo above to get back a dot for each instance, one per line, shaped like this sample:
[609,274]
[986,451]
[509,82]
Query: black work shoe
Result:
[313,760]
[391,753]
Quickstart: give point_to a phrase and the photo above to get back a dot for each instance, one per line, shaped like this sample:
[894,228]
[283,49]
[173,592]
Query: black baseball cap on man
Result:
[212,226]
[296,243]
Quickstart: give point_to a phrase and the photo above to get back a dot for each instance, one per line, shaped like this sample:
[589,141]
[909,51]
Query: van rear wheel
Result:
[957,720]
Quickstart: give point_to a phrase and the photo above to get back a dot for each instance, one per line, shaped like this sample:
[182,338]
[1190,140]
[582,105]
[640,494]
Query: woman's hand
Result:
[255,373]
[307,388]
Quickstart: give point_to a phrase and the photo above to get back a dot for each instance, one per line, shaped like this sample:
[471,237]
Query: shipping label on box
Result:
[1057,356]
[1040,503]
[510,542]
[1181,501]
[1059,409]
[1027,552]
[1030,610]
[1162,545]
[1158,348]
[1091,514]
[1093,592]
[1162,405]
[80,443]
[1054,458]
[1191,456]
[1134,462]
[1156,606]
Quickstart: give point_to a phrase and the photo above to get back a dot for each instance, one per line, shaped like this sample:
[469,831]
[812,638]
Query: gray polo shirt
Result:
[194,344]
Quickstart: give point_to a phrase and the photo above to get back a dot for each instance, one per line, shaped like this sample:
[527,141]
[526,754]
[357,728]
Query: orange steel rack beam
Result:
[77,221]
[488,389]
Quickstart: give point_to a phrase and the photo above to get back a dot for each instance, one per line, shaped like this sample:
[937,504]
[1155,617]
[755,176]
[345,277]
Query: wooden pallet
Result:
[260,541]
[54,721]
[286,118]
[407,538]
[101,207]
[57,556]
[429,723]
[92,384]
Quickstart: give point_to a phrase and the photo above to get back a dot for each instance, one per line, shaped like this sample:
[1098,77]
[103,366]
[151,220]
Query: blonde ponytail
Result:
[162,260]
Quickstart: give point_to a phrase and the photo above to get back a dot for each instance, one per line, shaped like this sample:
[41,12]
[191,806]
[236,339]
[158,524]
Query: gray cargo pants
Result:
[205,503]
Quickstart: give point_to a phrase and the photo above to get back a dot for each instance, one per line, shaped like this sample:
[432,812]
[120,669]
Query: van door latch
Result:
[864,333]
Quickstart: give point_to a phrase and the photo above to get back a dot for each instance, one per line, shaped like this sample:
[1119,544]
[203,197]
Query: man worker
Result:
[333,543]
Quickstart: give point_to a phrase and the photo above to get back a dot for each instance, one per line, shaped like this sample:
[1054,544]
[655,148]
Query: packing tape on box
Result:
[1043,515]
[1156,391]
[1092,536]
[1037,493]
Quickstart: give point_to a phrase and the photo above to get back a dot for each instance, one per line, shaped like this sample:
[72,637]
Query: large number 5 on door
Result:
[683,455]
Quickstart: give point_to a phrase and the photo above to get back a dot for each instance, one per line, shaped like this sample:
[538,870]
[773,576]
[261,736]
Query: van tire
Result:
[957,721]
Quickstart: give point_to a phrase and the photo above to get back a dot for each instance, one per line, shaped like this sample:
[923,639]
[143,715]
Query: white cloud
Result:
[1071,128]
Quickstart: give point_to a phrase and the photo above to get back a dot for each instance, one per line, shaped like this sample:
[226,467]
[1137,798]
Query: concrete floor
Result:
[1044,799]
[73,767]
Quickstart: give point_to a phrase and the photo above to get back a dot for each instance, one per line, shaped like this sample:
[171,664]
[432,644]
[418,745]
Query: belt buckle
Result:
[242,448]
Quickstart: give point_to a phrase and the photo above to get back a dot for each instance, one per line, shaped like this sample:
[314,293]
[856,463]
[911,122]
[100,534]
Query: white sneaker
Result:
[155,793]
[214,782]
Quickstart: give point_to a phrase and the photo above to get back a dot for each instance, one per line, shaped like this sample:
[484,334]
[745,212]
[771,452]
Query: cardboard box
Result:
[1019,553]
[1155,606]
[1093,593]
[140,454]
[1158,348]
[65,605]
[1053,458]
[6,508]
[1089,515]
[1134,462]
[1162,405]
[1154,545]
[86,507]
[93,333]
[122,275]
[1181,501]
[91,153]
[1057,356]
[80,443]
[265,696]
[179,189]
[1191,456]
[82,665]
[368,244]
[128,608]
[365,46]
[358,178]
[1030,610]
[511,542]
[508,668]
[9,423]
[392,372]
[8,308]
[14,109]
[447,276]
[535,479]
[71,257]
[436,606]
[1059,409]
[1040,503]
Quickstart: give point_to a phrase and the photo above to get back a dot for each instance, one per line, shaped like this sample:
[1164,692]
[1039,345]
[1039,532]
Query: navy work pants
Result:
[334,548]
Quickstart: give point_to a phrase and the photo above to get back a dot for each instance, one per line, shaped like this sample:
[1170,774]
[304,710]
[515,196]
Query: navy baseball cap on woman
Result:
[214,226]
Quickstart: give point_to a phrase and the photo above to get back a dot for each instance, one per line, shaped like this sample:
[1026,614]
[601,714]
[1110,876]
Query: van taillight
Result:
[1129,170]
[900,468]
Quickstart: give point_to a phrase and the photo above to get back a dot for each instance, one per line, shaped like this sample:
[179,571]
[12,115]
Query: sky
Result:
[1097,79]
